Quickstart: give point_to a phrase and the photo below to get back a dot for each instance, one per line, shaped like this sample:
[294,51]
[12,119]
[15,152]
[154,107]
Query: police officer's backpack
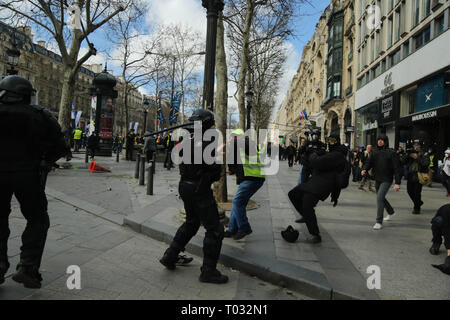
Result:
[343,177]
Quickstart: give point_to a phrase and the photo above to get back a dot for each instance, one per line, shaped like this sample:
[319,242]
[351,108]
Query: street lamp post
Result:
[146,104]
[249,95]
[213,8]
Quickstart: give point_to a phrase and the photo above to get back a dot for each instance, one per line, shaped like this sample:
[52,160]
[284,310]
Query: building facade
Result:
[403,78]
[338,103]
[325,80]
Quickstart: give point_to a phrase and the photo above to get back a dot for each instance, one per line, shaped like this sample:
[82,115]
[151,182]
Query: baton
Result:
[148,134]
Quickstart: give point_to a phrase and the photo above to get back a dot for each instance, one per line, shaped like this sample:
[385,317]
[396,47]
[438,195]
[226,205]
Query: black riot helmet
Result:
[205,116]
[15,89]
[290,234]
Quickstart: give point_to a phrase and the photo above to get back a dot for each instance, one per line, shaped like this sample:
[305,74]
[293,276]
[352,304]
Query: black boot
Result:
[170,258]
[29,276]
[314,239]
[434,250]
[4,266]
[212,275]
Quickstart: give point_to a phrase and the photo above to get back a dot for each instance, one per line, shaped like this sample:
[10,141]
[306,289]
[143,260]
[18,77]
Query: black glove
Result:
[445,268]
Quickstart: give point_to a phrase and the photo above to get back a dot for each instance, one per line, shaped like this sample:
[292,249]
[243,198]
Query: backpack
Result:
[343,177]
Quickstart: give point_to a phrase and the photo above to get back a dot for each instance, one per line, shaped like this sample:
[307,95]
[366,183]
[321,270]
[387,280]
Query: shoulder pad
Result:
[43,110]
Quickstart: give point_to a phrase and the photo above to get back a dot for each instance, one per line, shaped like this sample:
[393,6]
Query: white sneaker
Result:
[389,217]
[378,226]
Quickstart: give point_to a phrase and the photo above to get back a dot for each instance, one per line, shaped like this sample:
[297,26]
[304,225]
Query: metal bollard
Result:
[150,179]
[136,170]
[154,163]
[142,170]
[117,155]
[86,157]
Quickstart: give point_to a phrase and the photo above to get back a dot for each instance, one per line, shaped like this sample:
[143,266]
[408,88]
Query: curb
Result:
[280,273]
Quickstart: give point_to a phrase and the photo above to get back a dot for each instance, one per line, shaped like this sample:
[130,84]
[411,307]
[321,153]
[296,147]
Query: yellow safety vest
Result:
[77,134]
[431,161]
[252,165]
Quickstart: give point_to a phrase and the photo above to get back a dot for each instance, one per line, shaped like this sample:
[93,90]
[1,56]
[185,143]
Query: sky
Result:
[191,13]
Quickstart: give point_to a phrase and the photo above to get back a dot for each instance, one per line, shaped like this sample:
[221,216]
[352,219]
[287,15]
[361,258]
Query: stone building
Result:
[403,77]
[44,69]
[325,80]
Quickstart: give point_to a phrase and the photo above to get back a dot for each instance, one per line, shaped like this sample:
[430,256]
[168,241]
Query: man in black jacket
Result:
[32,142]
[440,226]
[416,162]
[323,182]
[385,165]
[201,208]
[290,151]
[130,144]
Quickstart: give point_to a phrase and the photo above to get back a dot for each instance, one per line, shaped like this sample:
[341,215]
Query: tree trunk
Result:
[125,105]
[220,187]
[67,94]
[244,64]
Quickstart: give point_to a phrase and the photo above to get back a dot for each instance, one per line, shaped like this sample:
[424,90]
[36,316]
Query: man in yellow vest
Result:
[249,176]
[77,139]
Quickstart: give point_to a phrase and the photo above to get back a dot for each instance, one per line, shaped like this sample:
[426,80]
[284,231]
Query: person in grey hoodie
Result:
[386,166]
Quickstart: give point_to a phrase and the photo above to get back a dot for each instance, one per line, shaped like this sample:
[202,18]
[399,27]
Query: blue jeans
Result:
[238,218]
[299,181]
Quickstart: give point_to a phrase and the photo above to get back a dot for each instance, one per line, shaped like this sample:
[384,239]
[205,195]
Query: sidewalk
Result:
[115,262]
[334,269]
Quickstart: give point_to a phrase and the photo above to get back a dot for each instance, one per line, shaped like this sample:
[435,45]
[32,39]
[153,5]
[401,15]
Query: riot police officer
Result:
[201,208]
[31,141]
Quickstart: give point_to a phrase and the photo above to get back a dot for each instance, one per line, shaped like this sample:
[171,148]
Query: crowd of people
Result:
[34,142]
[322,164]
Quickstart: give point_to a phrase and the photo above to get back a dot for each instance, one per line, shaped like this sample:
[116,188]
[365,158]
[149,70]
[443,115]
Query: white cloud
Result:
[100,58]
[291,66]
[185,12]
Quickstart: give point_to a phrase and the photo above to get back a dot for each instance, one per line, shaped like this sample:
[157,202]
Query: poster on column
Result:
[106,119]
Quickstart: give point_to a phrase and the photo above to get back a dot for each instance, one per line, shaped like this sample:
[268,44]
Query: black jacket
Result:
[30,134]
[421,164]
[385,164]
[290,151]
[202,175]
[325,168]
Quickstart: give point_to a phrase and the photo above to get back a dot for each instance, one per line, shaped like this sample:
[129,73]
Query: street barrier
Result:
[150,177]
[142,170]
[136,170]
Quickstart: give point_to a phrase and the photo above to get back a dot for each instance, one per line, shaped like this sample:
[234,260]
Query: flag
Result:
[175,108]
[160,114]
[303,115]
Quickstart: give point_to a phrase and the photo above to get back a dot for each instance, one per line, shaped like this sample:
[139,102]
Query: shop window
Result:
[416,12]
[377,70]
[439,25]
[427,8]
[396,57]
[406,49]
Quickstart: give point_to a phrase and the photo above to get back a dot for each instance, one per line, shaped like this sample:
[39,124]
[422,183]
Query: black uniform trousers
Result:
[414,189]
[290,160]
[27,188]
[201,208]
[304,203]
[129,153]
[439,231]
